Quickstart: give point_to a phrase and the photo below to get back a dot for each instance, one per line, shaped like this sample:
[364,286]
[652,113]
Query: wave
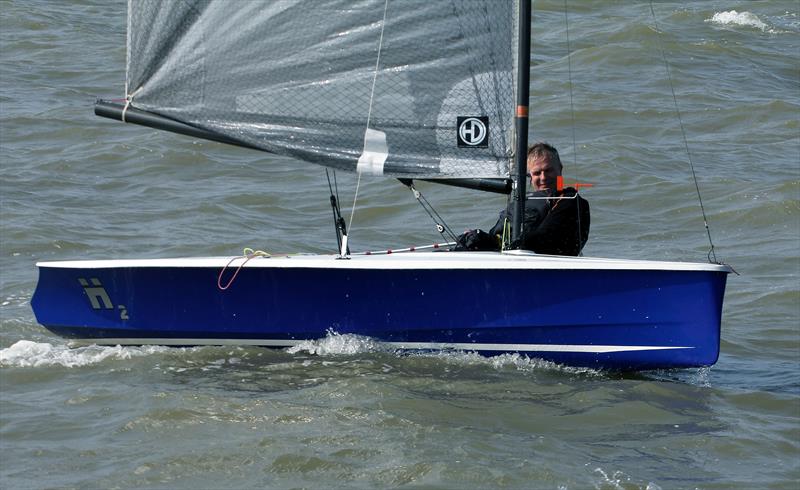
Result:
[26,353]
[735,18]
[335,343]
[519,362]
[620,479]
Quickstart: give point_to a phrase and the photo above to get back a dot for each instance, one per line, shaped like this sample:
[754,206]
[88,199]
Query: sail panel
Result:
[299,78]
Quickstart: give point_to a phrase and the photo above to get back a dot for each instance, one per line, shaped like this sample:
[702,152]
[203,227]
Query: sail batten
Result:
[303,80]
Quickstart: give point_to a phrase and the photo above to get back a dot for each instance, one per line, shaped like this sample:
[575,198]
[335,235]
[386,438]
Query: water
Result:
[348,412]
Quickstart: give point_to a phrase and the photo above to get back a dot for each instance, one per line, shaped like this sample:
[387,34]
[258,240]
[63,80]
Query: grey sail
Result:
[411,88]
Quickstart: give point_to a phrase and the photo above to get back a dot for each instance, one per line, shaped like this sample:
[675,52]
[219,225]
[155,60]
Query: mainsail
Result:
[411,88]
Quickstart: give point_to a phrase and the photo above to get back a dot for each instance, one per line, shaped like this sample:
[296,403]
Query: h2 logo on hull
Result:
[98,297]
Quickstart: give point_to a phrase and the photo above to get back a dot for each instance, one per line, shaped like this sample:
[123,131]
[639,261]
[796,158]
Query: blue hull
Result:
[613,319]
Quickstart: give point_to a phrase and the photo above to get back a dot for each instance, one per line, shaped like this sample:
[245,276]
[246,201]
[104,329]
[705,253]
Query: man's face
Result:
[543,173]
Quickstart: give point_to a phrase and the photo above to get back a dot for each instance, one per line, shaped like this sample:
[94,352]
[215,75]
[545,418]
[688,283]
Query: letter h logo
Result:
[96,293]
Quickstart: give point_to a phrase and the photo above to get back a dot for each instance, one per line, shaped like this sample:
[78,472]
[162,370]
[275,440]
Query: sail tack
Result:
[411,88]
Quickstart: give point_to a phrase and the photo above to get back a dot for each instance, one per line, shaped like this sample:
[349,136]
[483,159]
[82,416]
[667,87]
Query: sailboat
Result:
[417,89]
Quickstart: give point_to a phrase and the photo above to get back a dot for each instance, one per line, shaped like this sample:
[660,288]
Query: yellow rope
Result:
[249,252]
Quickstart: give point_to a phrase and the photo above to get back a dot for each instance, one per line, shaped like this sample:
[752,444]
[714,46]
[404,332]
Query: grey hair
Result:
[547,150]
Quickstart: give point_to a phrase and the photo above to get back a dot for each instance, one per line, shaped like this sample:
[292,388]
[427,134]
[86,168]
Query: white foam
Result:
[516,361]
[16,300]
[335,343]
[619,480]
[26,353]
[735,18]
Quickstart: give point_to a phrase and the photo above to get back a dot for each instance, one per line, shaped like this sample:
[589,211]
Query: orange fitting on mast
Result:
[522,111]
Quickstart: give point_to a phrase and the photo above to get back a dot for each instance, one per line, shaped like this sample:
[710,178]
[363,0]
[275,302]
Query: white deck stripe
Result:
[591,349]
[402,261]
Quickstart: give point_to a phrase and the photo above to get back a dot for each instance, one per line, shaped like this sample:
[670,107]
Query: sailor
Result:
[556,219]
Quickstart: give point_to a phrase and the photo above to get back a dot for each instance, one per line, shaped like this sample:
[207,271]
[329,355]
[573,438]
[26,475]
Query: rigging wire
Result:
[569,75]
[369,117]
[712,257]
[572,115]
[441,226]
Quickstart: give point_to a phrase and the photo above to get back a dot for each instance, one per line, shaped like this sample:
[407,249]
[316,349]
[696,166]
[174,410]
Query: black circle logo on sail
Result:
[473,131]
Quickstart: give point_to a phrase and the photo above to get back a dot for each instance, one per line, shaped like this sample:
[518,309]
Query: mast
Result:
[521,117]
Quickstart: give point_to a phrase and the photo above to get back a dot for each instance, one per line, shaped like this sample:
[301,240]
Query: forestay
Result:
[303,79]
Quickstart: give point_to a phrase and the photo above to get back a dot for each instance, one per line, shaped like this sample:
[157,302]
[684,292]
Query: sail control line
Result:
[128,100]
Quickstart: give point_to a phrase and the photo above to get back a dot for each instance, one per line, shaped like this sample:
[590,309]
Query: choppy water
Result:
[347,412]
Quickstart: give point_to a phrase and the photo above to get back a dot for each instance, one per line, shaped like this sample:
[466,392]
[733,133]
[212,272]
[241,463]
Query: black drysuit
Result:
[551,226]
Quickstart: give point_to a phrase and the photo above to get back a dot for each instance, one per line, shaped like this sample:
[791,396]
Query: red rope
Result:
[222,272]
